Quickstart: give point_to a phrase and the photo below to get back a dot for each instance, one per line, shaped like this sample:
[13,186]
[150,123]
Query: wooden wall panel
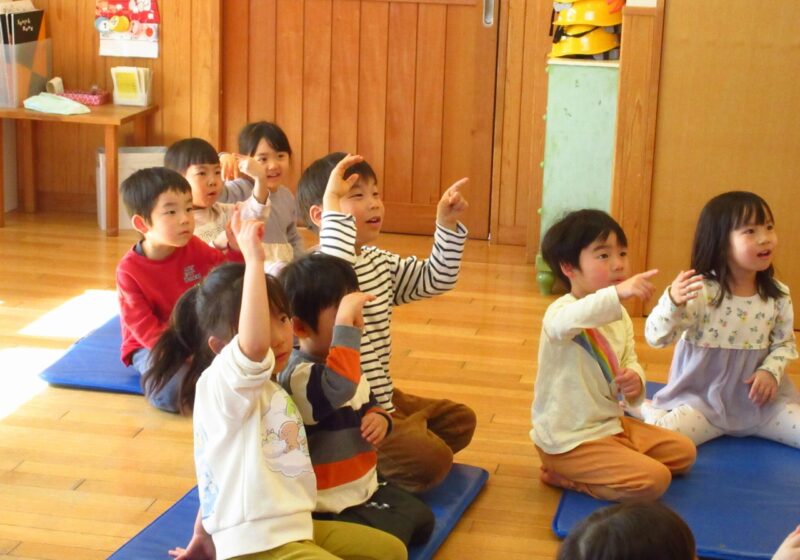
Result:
[289,77]
[400,95]
[372,71]
[316,92]
[186,74]
[519,129]
[261,60]
[344,73]
[428,105]
[236,60]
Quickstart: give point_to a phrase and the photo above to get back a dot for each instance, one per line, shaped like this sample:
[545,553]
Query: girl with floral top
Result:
[733,320]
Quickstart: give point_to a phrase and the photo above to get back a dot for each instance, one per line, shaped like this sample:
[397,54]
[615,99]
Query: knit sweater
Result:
[332,399]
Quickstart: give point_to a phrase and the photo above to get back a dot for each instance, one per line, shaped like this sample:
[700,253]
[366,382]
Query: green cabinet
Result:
[579,142]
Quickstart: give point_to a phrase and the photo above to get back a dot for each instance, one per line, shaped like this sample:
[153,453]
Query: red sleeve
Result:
[136,312]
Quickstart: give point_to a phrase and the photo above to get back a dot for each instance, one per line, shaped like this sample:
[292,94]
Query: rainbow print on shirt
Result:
[599,348]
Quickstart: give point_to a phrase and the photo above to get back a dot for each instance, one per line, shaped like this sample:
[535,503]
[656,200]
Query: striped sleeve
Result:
[414,279]
[337,236]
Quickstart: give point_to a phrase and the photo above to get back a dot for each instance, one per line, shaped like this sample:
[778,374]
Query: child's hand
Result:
[685,287]
[763,387]
[247,234]
[638,285]
[374,426]
[629,383]
[250,167]
[230,168]
[201,547]
[351,309]
[790,547]
[338,187]
[452,205]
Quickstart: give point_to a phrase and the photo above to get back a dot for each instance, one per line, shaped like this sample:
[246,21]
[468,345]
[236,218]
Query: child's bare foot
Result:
[552,478]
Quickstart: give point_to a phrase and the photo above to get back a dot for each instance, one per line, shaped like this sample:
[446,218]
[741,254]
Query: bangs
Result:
[278,303]
[752,212]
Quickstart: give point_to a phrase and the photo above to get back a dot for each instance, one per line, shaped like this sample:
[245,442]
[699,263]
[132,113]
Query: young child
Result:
[343,420]
[257,487]
[790,547]
[339,197]
[151,277]
[632,531]
[198,162]
[734,321]
[267,144]
[587,358]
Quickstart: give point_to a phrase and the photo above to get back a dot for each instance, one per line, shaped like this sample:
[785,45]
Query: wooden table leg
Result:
[140,130]
[112,188]
[2,180]
[25,144]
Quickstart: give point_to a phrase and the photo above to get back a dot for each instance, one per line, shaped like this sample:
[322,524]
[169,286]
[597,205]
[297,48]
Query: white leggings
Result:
[784,427]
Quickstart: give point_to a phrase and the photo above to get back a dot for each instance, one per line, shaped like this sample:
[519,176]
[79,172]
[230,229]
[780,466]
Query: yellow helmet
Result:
[589,12]
[593,42]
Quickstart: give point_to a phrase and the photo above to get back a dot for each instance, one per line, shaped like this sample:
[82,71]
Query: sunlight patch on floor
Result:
[19,379]
[76,317]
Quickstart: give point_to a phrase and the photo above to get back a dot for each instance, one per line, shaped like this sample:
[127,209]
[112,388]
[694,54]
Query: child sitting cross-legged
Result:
[343,420]
[587,359]
[339,197]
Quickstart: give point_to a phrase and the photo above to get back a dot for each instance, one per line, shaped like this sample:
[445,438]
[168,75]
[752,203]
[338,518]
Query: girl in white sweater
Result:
[257,486]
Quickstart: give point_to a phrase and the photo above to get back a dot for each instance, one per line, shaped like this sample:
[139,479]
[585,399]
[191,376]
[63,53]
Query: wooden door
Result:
[409,84]
[728,108]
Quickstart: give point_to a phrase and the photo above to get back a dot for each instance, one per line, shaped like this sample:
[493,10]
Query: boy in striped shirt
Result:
[339,197]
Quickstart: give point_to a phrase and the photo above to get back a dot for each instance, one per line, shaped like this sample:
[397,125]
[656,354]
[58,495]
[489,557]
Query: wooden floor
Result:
[82,472]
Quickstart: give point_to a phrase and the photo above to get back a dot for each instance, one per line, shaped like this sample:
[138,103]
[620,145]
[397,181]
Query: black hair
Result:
[564,241]
[311,186]
[253,133]
[720,216]
[210,307]
[315,282]
[190,151]
[141,190]
[630,531]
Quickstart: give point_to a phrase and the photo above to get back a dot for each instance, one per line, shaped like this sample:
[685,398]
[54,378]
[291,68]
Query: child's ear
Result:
[568,270]
[315,213]
[139,223]
[216,344]
[301,330]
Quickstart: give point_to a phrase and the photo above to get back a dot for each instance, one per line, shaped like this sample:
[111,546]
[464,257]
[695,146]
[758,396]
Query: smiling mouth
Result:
[763,254]
[374,221]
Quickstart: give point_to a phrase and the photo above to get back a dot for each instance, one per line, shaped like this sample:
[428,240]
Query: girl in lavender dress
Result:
[733,322]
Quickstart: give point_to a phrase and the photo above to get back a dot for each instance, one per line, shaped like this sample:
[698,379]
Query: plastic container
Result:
[130,159]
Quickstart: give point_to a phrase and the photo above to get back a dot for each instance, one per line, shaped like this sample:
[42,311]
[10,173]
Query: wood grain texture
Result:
[637,108]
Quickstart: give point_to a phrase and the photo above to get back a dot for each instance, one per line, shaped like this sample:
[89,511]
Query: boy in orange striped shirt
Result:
[343,420]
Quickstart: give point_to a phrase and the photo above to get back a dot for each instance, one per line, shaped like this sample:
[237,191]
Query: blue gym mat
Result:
[93,363]
[174,527]
[741,498]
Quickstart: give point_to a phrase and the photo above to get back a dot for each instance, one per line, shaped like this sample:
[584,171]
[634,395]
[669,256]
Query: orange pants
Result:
[635,464]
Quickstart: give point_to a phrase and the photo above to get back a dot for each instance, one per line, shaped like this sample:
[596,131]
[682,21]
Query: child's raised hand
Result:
[763,387]
[790,547]
[229,165]
[338,187]
[452,205]
[248,237]
[685,287]
[374,426]
[638,286]
[629,383]
[351,309]
[250,167]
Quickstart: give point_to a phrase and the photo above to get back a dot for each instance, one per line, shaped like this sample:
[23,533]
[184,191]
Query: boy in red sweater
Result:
[167,261]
